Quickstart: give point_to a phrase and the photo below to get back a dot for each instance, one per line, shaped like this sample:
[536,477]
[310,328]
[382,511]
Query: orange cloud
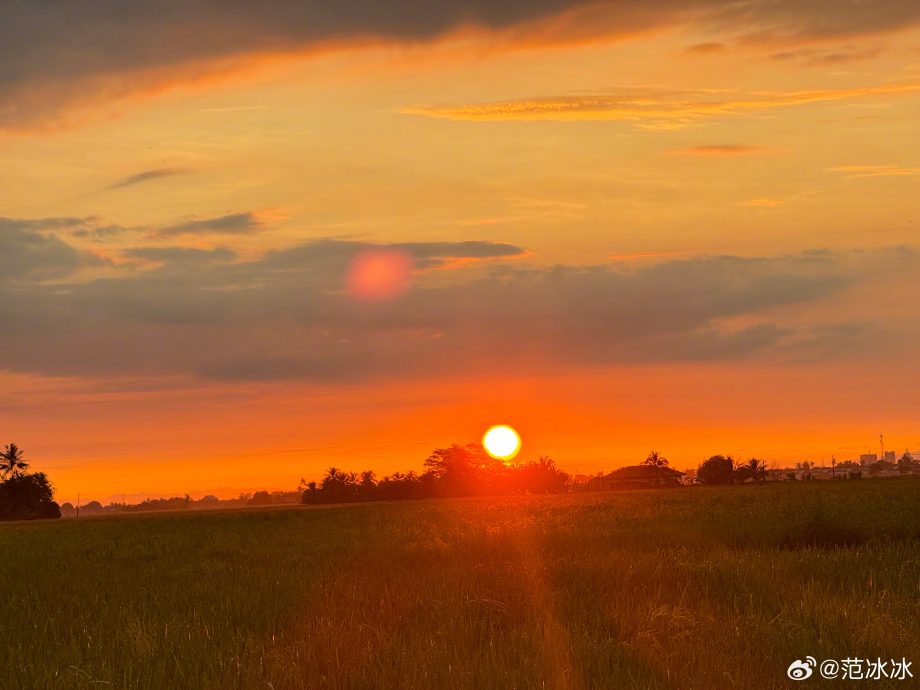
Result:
[706,48]
[722,150]
[651,107]
[643,256]
[761,203]
[875,171]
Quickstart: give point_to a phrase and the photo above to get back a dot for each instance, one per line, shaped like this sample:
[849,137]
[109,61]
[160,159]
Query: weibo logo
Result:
[801,670]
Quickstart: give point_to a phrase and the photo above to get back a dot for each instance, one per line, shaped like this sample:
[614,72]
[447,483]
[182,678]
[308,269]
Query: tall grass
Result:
[691,588]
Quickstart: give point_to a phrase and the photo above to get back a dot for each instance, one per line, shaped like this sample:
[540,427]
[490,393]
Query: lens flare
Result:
[378,274]
[501,442]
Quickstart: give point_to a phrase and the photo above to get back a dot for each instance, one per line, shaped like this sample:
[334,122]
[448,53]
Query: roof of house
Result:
[643,472]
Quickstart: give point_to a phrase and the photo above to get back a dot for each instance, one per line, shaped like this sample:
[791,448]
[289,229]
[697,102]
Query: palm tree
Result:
[12,461]
[656,459]
[755,468]
[659,462]
[333,474]
[333,480]
[546,463]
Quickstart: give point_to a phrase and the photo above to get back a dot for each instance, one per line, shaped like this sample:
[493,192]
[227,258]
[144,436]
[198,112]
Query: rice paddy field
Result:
[687,588]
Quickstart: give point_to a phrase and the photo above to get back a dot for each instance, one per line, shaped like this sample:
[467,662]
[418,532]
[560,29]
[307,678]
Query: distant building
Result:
[890,456]
[868,459]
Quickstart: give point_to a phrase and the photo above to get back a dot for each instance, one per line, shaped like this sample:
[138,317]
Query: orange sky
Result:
[240,243]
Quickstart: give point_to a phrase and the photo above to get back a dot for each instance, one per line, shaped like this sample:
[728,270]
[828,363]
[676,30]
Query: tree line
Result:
[186,502]
[457,470]
[724,469]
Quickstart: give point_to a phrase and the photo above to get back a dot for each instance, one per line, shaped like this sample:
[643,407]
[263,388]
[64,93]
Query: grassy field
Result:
[691,588]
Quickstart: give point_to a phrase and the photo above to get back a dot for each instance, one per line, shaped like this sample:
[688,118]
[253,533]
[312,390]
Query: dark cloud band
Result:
[288,314]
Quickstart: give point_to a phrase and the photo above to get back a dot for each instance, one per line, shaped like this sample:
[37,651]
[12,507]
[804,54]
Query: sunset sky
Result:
[243,241]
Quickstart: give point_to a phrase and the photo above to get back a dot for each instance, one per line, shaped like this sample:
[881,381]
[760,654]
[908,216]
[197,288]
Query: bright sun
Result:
[502,442]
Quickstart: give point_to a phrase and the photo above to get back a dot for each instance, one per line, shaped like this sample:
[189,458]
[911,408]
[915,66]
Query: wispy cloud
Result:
[233,109]
[706,48]
[146,176]
[655,108]
[812,57]
[723,150]
[179,255]
[644,256]
[230,224]
[875,170]
[762,202]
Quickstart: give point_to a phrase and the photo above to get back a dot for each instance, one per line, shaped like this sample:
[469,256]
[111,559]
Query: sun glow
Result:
[378,275]
[502,442]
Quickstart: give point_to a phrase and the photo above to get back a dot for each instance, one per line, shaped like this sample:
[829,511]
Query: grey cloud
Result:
[287,315]
[469,249]
[230,224]
[61,223]
[27,253]
[145,176]
[69,38]
[323,256]
[180,255]
[98,233]
[84,227]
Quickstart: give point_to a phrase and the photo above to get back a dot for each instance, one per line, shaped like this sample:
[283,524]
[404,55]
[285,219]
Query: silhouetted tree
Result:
[27,497]
[718,469]
[338,486]
[465,470]
[310,493]
[753,469]
[260,498]
[656,459]
[453,471]
[660,463]
[367,485]
[541,477]
[12,461]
